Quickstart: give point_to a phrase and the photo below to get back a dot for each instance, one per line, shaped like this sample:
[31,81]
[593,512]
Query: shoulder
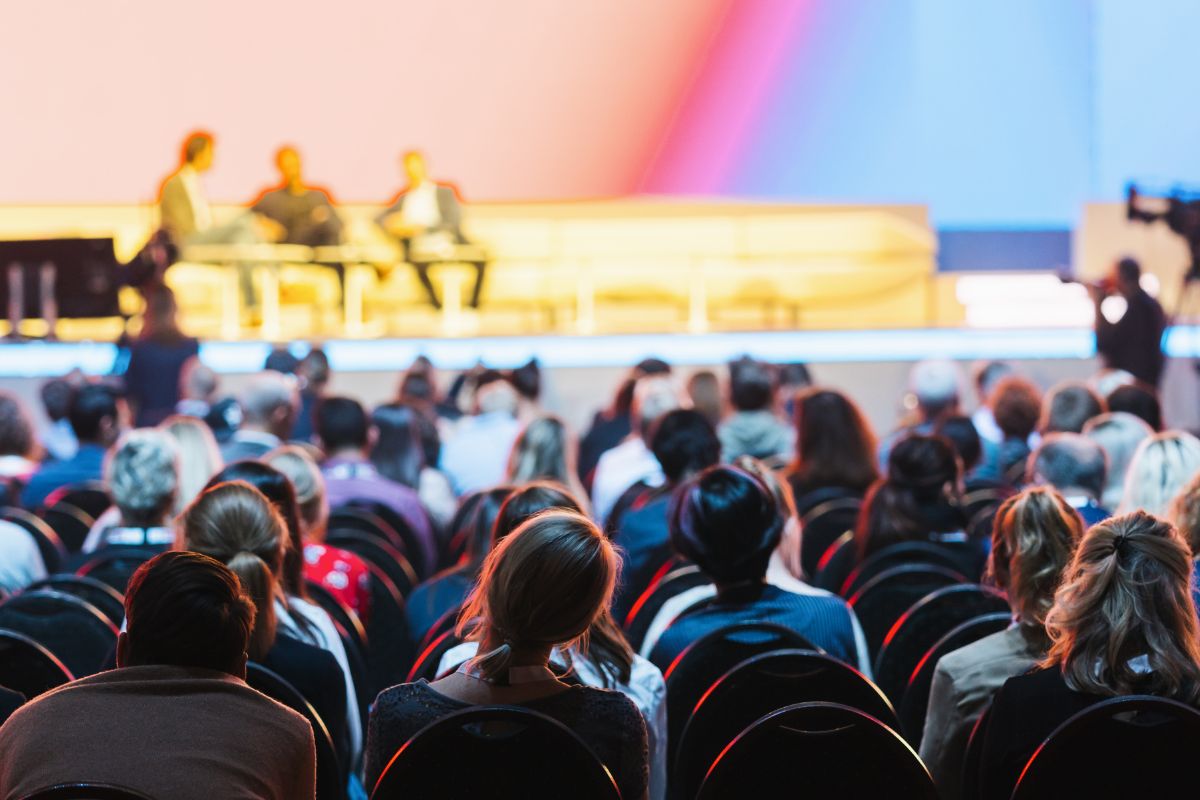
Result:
[1003,646]
[613,706]
[1034,686]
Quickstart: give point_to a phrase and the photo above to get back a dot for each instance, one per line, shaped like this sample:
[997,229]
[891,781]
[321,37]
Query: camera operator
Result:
[1134,342]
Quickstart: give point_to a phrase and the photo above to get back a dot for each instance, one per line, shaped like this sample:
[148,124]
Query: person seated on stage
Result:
[96,420]
[426,217]
[1075,466]
[268,404]
[142,476]
[182,205]
[305,214]
[176,718]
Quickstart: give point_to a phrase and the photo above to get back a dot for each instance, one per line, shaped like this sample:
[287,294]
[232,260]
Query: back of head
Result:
[1161,466]
[301,469]
[479,523]
[525,502]
[1068,407]
[496,397]
[398,452]
[1034,535]
[727,522]
[266,397]
[541,452]
[961,433]
[835,445]
[341,424]
[544,584]
[187,610]
[16,429]
[1069,462]
[936,385]
[56,396]
[1139,401]
[93,413]
[235,524]
[199,456]
[527,380]
[281,360]
[1127,596]
[988,375]
[918,496]
[142,476]
[684,443]
[704,391]
[314,368]
[1118,435]
[653,396]
[751,384]
[1017,405]
[197,380]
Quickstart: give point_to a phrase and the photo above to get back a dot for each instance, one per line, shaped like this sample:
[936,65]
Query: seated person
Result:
[1068,406]
[305,214]
[1016,405]
[541,589]
[1118,433]
[175,719]
[1033,539]
[267,405]
[156,360]
[625,465]
[1161,466]
[426,217]
[835,449]
[1122,623]
[1075,466]
[142,475]
[18,448]
[95,419]
[754,429]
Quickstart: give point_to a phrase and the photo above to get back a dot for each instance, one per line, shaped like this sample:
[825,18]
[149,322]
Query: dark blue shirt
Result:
[86,465]
[430,601]
[644,541]
[152,377]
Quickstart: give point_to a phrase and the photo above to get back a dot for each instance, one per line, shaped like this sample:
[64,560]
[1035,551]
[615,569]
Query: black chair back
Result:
[836,563]
[822,525]
[824,750]
[74,630]
[90,497]
[426,663]
[50,546]
[757,686]
[651,601]
[897,555]
[331,778]
[414,547]
[444,623]
[86,791]
[985,497]
[354,640]
[110,602]
[1147,742]
[70,523]
[884,598]
[923,624]
[511,752]
[705,660]
[28,667]
[390,651]
[372,548]
[115,565]
[356,518]
[970,781]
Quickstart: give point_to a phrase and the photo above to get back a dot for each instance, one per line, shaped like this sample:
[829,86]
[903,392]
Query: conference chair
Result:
[883,599]
[757,686]
[426,663]
[820,750]
[390,651]
[356,518]
[26,666]
[446,622]
[77,632]
[896,555]
[985,498]
[110,602]
[70,523]
[86,791]
[705,660]
[971,778]
[353,635]
[90,497]
[415,547]
[115,565]
[650,602]
[50,546]
[923,624]
[379,552]
[822,525]
[836,563]
[496,751]
[1134,746]
[331,777]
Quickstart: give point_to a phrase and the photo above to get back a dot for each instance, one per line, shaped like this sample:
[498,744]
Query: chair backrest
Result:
[90,497]
[350,627]
[73,629]
[987,497]
[915,700]
[757,686]
[705,660]
[896,555]
[70,523]
[822,749]
[426,663]
[923,624]
[390,650]
[116,565]
[372,548]
[415,548]
[835,563]
[884,598]
[50,546]
[1147,741]
[100,594]
[822,525]
[970,780]
[444,623]
[331,777]
[26,666]
[651,601]
[85,791]
[355,518]
[511,751]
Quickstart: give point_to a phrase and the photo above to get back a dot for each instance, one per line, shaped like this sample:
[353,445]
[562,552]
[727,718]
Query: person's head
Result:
[476,523]
[142,476]
[704,392]
[199,456]
[197,381]
[1161,466]
[935,387]
[961,433]
[1185,514]
[751,384]
[1034,534]
[56,395]
[496,396]
[341,425]
[527,380]
[415,169]
[198,150]
[1071,463]
[653,396]
[543,586]
[298,466]
[16,429]
[314,370]
[269,402]
[235,524]
[525,502]
[1068,407]
[988,375]
[418,388]
[684,443]
[186,609]
[94,416]
[623,398]
[835,445]
[287,161]
[1017,405]
[1118,435]
[1138,400]
[282,360]
[920,495]
[1127,274]
[727,522]
[1127,595]
[542,451]
[398,452]
[275,486]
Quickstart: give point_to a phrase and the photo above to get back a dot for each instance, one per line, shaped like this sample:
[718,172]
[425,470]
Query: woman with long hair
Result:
[1123,622]
[835,449]
[545,451]
[199,456]
[401,453]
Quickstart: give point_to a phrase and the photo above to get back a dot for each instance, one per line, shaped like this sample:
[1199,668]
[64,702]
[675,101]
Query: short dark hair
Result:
[187,610]
[961,433]
[751,384]
[1070,460]
[340,422]
[527,379]
[1069,406]
[1129,269]
[281,360]
[684,441]
[727,522]
[1139,401]
[56,396]
[90,406]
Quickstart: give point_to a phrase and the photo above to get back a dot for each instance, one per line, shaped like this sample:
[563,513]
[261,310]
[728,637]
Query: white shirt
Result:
[20,560]
[618,469]
[201,213]
[646,689]
[420,207]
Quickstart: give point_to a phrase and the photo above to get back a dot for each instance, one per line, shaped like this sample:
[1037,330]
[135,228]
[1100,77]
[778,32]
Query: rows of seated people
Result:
[714,593]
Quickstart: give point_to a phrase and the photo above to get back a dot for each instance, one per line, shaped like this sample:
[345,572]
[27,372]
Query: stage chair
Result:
[355,517]
[415,549]
[116,565]
[110,602]
[26,666]
[373,549]
[50,546]
[77,632]
[651,601]
[446,622]
[884,599]
[822,525]
[70,523]
[85,791]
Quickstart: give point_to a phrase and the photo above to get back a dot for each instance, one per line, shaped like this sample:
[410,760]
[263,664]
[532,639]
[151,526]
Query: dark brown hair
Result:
[834,442]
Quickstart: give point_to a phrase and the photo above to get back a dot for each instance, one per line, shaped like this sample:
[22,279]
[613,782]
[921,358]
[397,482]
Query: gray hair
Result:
[1118,434]
[142,473]
[653,396]
[197,380]
[936,383]
[1069,461]
[1161,467]
[264,394]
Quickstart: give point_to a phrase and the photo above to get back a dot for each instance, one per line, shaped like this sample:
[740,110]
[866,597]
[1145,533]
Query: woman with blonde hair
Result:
[1034,535]
[199,456]
[1118,433]
[1161,466]
[544,451]
[541,589]
[1123,622]
[1185,514]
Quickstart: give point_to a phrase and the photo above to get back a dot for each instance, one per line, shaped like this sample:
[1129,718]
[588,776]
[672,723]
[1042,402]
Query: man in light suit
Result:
[183,208]
[426,216]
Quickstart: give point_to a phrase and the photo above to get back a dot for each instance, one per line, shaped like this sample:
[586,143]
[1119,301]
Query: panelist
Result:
[304,214]
[426,217]
[1133,343]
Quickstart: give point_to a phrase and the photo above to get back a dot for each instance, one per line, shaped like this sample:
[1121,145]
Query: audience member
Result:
[1118,433]
[527,380]
[1033,538]
[1185,516]
[612,425]
[1068,406]
[1016,407]
[18,449]
[175,719]
[95,420]
[1137,400]
[704,394]
[960,432]
[59,440]
[199,457]
[545,451]
[476,457]
[142,477]
[988,376]
[1161,466]
[156,360]
[402,453]
[793,378]
[753,429]
[198,384]
[1075,466]
[541,589]
[268,402]
[934,388]
[313,374]
[1123,622]
[20,559]
[835,449]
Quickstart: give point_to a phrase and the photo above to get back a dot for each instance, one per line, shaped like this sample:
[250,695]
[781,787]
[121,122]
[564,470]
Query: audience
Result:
[1185,515]
[142,476]
[835,449]
[20,559]
[1068,406]
[56,394]
[1137,400]
[199,457]
[96,423]
[1016,407]
[1033,539]
[1161,466]
[1075,466]
[477,455]
[18,449]
[269,403]
[1118,433]
[313,374]
[175,719]
[610,426]
[406,450]
[156,360]
[934,387]
[704,394]
[544,452]
[753,429]
[960,432]
[988,376]
[198,384]
[541,589]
